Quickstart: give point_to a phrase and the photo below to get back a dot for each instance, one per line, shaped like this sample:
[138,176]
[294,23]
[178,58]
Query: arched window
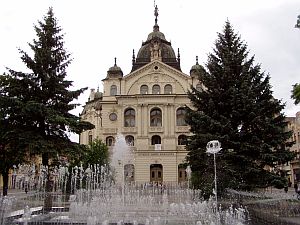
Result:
[182,174]
[144,89]
[168,89]
[129,118]
[180,117]
[155,118]
[129,140]
[199,87]
[113,90]
[90,137]
[110,141]
[155,89]
[182,139]
[155,140]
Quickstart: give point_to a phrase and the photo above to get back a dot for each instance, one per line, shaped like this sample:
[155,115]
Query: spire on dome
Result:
[156,14]
[197,60]
[156,27]
[178,56]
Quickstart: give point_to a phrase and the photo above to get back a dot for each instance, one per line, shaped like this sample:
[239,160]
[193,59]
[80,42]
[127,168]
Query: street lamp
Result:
[213,147]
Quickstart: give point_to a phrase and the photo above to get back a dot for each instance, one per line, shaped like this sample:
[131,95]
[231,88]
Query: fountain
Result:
[103,196]
[121,156]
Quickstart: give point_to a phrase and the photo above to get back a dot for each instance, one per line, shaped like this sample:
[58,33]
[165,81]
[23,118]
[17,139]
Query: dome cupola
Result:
[196,69]
[114,71]
[156,47]
[98,95]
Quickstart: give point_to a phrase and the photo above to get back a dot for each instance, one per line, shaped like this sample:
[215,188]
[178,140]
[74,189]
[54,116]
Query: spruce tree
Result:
[40,101]
[237,108]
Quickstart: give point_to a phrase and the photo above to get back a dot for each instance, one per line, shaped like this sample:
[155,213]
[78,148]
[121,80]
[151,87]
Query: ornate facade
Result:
[146,106]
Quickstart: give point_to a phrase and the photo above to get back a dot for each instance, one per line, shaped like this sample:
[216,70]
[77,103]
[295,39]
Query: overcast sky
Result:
[97,31]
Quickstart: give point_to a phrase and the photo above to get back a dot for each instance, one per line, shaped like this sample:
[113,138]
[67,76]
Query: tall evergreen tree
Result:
[41,100]
[238,109]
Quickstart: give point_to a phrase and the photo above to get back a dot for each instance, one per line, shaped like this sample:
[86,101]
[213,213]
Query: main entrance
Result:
[156,173]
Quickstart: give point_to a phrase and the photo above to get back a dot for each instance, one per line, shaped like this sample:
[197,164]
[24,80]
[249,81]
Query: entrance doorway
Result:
[182,175]
[156,173]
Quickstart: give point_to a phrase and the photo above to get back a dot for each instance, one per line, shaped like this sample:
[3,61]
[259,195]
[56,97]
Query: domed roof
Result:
[98,95]
[197,69]
[156,34]
[114,71]
[156,47]
[115,68]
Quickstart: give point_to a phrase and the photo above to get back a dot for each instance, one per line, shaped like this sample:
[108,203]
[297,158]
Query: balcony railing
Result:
[129,130]
[180,147]
[156,129]
[110,130]
[181,129]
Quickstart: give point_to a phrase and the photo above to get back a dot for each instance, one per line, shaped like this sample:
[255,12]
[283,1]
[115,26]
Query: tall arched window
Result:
[110,141]
[180,117]
[90,137]
[155,118]
[182,139]
[168,89]
[155,140]
[129,118]
[113,90]
[129,140]
[144,89]
[155,89]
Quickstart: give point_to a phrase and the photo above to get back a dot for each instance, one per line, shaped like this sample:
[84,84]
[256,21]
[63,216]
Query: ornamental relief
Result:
[151,68]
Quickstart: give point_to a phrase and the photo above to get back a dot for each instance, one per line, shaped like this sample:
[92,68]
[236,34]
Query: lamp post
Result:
[213,147]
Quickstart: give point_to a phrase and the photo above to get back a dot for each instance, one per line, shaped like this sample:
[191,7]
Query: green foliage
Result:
[12,137]
[38,103]
[96,153]
[238,109]
[296,93]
